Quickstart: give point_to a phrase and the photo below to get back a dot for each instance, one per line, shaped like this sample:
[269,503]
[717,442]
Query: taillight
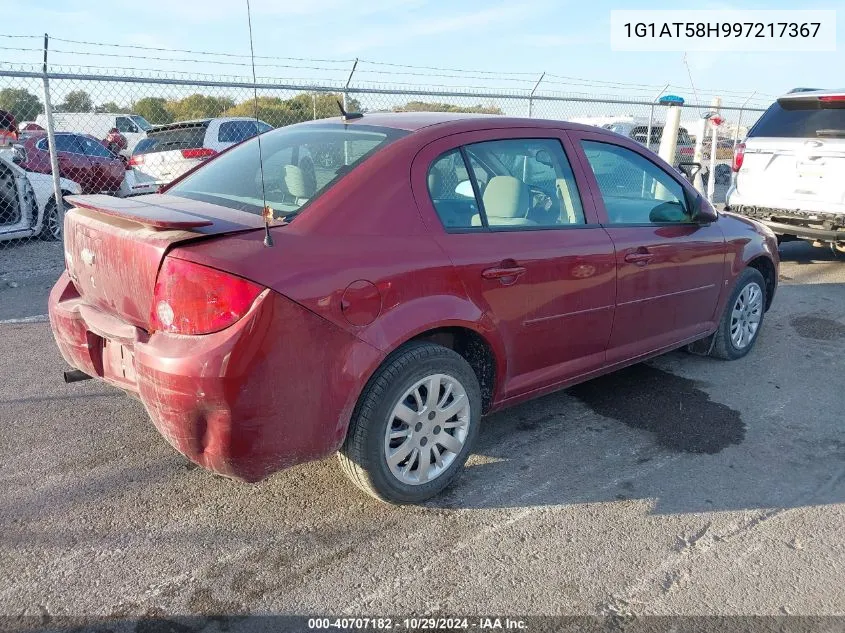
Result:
[198,152]
[739,156]
[194,299]
[832,98]
[135,160]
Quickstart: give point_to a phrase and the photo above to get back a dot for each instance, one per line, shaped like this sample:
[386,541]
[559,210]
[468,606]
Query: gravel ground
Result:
[682,486]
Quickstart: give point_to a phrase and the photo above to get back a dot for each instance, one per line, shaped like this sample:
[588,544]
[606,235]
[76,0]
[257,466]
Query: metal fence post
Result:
[51,139]
[531,96]
[651,116]
[716,107]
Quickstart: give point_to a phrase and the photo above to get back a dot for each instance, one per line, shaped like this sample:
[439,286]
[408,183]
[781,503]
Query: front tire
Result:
[743,317]
[414,425]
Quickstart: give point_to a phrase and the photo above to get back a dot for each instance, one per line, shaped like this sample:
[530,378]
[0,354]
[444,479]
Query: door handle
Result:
[503,273]
[640,258]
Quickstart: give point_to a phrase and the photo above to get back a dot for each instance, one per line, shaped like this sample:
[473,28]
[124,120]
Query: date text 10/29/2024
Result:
[418,624]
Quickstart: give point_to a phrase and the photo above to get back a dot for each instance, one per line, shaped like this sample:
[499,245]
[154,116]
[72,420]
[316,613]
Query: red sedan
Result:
[82,158]
[448,266]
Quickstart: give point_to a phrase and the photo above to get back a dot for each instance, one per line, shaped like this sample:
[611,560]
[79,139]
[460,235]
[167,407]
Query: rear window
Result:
[179,137]
[299,164]
[800,118]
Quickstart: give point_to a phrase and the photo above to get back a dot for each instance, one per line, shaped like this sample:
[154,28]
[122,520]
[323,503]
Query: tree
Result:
[153,109]
[77,101]
[23,105]
[112,108]
[199,106]
[423,106]
[303,107]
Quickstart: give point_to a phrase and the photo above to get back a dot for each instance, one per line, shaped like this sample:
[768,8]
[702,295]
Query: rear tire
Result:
[404,445]
[51,228]
[743,317]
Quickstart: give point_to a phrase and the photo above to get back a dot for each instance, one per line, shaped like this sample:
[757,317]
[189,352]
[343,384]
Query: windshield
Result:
[141,122]
[299,163]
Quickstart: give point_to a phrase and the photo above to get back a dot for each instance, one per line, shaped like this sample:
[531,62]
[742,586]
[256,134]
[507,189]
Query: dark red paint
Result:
[93,173]
[364,269]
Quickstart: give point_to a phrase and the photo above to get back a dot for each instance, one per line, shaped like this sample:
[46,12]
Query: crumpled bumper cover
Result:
[275,389]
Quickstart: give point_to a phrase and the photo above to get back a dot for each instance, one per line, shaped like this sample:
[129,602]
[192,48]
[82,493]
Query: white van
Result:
[133,126]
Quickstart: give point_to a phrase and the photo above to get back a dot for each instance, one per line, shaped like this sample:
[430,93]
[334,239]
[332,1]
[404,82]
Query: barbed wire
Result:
[411,70]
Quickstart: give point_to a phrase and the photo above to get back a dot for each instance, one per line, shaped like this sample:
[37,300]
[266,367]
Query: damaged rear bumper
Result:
[243,402]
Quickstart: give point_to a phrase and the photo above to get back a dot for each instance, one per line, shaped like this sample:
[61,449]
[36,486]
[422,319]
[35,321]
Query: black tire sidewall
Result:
[747,276]
[445,362]
[51,209]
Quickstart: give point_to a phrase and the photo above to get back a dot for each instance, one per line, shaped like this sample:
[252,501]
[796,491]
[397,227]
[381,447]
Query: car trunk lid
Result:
[115,246]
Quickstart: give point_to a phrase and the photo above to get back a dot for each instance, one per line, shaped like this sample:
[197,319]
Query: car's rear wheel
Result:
[743,317]
[51,229]
[414,426]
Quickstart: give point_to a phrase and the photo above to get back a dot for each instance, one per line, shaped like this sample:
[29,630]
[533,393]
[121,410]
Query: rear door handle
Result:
[503,273]
[639,258]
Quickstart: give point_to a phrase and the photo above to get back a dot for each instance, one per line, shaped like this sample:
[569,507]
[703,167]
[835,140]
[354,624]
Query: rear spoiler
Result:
[146,212]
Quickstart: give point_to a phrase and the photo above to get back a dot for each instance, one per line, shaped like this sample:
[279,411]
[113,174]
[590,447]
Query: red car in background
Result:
[82,158]
[443,267]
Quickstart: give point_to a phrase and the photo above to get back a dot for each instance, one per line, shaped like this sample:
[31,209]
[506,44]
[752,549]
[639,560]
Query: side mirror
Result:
[464,189]
[702,211]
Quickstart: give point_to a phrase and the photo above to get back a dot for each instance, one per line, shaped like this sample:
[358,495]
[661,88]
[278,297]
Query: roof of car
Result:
[413,121]
[804,94]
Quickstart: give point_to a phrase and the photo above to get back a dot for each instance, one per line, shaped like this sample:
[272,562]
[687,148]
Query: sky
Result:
[566,38]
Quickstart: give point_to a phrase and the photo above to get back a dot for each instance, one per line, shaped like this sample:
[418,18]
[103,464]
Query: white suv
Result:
[790,171]
[169,151]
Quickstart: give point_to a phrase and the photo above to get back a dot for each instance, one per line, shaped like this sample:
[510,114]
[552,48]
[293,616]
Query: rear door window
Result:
[801,118]
[65,143]
[90,147]
[236,131]
[125,124]
[511,183]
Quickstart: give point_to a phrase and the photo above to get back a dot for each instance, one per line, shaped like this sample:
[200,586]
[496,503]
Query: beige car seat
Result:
[297,184]
[564,194]
[506,203]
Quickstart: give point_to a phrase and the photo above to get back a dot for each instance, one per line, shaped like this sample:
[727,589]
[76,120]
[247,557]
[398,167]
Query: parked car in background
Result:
[790,168]
[171,150]
[450,266]
[133,127]
[82,158]
[638,130]
[27,204]
[8,128]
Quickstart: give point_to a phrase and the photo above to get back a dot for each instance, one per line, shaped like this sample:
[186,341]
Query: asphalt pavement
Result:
[685,485]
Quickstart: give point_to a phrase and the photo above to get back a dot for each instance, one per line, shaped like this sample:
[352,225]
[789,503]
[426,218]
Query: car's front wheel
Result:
[743,317]
[414,425]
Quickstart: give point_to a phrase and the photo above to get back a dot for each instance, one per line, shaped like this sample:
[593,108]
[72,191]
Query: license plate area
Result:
[118,362]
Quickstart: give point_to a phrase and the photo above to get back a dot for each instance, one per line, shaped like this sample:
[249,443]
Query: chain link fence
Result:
[129,135]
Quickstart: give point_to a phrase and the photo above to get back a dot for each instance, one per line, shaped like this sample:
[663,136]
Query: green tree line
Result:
[158,110]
